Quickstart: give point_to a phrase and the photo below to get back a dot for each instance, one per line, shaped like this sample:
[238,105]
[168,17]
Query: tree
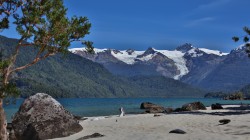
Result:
[237,95]
[245,39]
[41,24]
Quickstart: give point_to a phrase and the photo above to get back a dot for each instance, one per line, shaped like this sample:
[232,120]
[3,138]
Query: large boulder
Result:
[155,110]
[193,106]
[148,105]
[152,108]
[42,117]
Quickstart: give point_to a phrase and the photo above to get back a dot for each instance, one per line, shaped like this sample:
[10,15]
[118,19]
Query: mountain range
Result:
[212,70]
[70,75]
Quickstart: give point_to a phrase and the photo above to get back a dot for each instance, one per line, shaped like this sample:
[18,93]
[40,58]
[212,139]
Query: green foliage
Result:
[74,76]
[3,63]
[238,95]
[235,38]
[246,90]
[46,25]
[11,89]
[243,92]
[89,48]
[247,30]
[7,8]
[4,23]
[245,39]
[43,25]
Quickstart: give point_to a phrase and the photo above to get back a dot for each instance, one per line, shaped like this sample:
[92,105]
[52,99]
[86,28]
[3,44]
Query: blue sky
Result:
[162,24]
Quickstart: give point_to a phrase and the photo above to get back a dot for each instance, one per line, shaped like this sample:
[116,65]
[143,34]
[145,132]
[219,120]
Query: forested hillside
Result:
[70,75]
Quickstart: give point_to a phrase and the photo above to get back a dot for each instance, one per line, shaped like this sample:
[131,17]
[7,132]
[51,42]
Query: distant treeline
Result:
[243,93]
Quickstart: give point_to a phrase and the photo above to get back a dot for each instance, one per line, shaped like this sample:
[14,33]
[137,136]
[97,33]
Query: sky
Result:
[161,24]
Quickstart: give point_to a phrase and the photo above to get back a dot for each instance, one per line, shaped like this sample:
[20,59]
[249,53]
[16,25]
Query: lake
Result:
[88,107]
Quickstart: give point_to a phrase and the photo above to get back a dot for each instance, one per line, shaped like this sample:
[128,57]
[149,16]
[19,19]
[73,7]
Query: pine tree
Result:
[41,24]
[245,39]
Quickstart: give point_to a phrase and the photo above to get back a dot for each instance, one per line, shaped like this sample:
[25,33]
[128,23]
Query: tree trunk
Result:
[3,123]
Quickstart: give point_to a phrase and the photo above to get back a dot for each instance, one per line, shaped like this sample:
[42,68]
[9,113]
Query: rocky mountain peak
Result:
[185,47]
[239,53]
[116,51]
[150,50]
[241,48]
[130,51]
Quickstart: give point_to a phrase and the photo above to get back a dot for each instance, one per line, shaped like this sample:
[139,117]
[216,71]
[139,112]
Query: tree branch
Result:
[37,59]
[8,70]
[28,44]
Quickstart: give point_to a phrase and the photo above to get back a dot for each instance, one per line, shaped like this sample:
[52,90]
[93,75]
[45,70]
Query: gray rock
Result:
[177,131]
[95,135]
[77,117]
[147,105]
[42,117]
[224,121]
[178,110]
[216,106]
[152,108]
[193,106]
[168,110]
[155,110]
[11,132]
[157,115]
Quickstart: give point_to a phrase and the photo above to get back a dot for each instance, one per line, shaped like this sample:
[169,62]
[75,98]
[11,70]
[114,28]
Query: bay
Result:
[89,107]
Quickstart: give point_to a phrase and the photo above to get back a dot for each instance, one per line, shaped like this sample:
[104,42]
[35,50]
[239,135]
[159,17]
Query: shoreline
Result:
[90,107]
[201,124]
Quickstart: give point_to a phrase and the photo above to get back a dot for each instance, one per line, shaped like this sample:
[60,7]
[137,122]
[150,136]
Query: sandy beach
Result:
[198,125]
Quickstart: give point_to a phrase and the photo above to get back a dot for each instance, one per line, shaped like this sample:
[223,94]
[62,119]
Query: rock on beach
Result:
[42,117]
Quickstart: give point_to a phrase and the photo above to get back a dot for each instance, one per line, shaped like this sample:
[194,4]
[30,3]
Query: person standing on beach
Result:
[122,112]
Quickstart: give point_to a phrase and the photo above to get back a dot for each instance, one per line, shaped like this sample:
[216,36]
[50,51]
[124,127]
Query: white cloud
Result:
[212,5]
[208,7]
[200,21]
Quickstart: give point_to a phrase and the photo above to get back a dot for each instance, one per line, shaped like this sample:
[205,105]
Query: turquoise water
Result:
[87,107]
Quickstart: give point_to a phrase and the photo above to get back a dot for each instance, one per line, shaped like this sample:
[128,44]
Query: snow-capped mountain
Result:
[169,63]
[201,67]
